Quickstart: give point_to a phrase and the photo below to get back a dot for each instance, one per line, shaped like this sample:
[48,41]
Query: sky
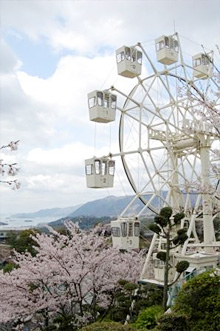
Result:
[53,53]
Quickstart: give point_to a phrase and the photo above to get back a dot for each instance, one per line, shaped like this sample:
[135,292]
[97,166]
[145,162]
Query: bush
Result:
[182,266]
[23,241]
[166,212]
[199,300]
[108,326]
[155,228]
[178,217]
[161,256]
[162,221]
[173,322]
[147,296]
[147,319]
[9,267]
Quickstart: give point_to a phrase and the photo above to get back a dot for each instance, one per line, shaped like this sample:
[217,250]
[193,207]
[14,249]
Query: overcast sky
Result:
[52,54]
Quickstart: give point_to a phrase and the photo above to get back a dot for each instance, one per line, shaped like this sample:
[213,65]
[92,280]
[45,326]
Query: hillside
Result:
[110,206]
[84,222]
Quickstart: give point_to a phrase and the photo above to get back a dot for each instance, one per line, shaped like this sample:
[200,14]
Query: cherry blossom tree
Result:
[70,276]
[10,168]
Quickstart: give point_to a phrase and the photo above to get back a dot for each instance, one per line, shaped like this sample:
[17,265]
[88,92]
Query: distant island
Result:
[3,223]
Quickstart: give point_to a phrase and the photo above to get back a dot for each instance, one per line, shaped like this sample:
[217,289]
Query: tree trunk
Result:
[166,271]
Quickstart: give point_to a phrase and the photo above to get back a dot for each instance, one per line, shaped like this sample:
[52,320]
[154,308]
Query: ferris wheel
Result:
[167,131]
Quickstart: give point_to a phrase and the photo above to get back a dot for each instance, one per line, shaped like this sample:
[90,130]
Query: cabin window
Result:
[115,231]
[113,101]
[136,229]
[111,168]
[197,62]
[100,98]
[120,57]
[205,59]
[92,102]
[158,264]
[127,53]
[106,102]
[104,168]
[130,229]
[124,229]
[160,45]
[176,46]
[88,169]
[173,44]
[167,43]
[139,57]
[133,55]
[97,167]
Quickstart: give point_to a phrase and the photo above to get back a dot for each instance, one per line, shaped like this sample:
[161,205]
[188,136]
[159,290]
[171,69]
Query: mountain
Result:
[102,210]
[110,206]
[53,212]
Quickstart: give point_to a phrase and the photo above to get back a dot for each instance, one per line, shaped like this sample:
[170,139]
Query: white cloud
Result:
[67,88]
[88,26]
[8,60]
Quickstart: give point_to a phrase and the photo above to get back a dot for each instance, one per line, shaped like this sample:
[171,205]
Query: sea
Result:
[13,223]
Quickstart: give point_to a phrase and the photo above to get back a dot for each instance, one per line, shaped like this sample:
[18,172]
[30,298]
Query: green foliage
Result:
[122,282]
[162,221]
[217,227]
[85,222]
[119,314]
[108,326]
[130,287]
[182,266]
[166,212]
[147,319]
[180,232]
[155,228]
[147,295]
[181,237]
[175,240]
[9,267]
[23,241]
[51,328]
[178,217]
[141,296]
[199,299]
[172,322]
[64,323]
[161,256]
[122,301]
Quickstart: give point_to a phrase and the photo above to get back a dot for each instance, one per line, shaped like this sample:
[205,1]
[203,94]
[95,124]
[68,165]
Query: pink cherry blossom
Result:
[67,273]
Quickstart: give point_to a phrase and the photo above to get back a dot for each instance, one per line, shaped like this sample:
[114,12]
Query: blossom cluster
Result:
[10,169]
[68,274]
